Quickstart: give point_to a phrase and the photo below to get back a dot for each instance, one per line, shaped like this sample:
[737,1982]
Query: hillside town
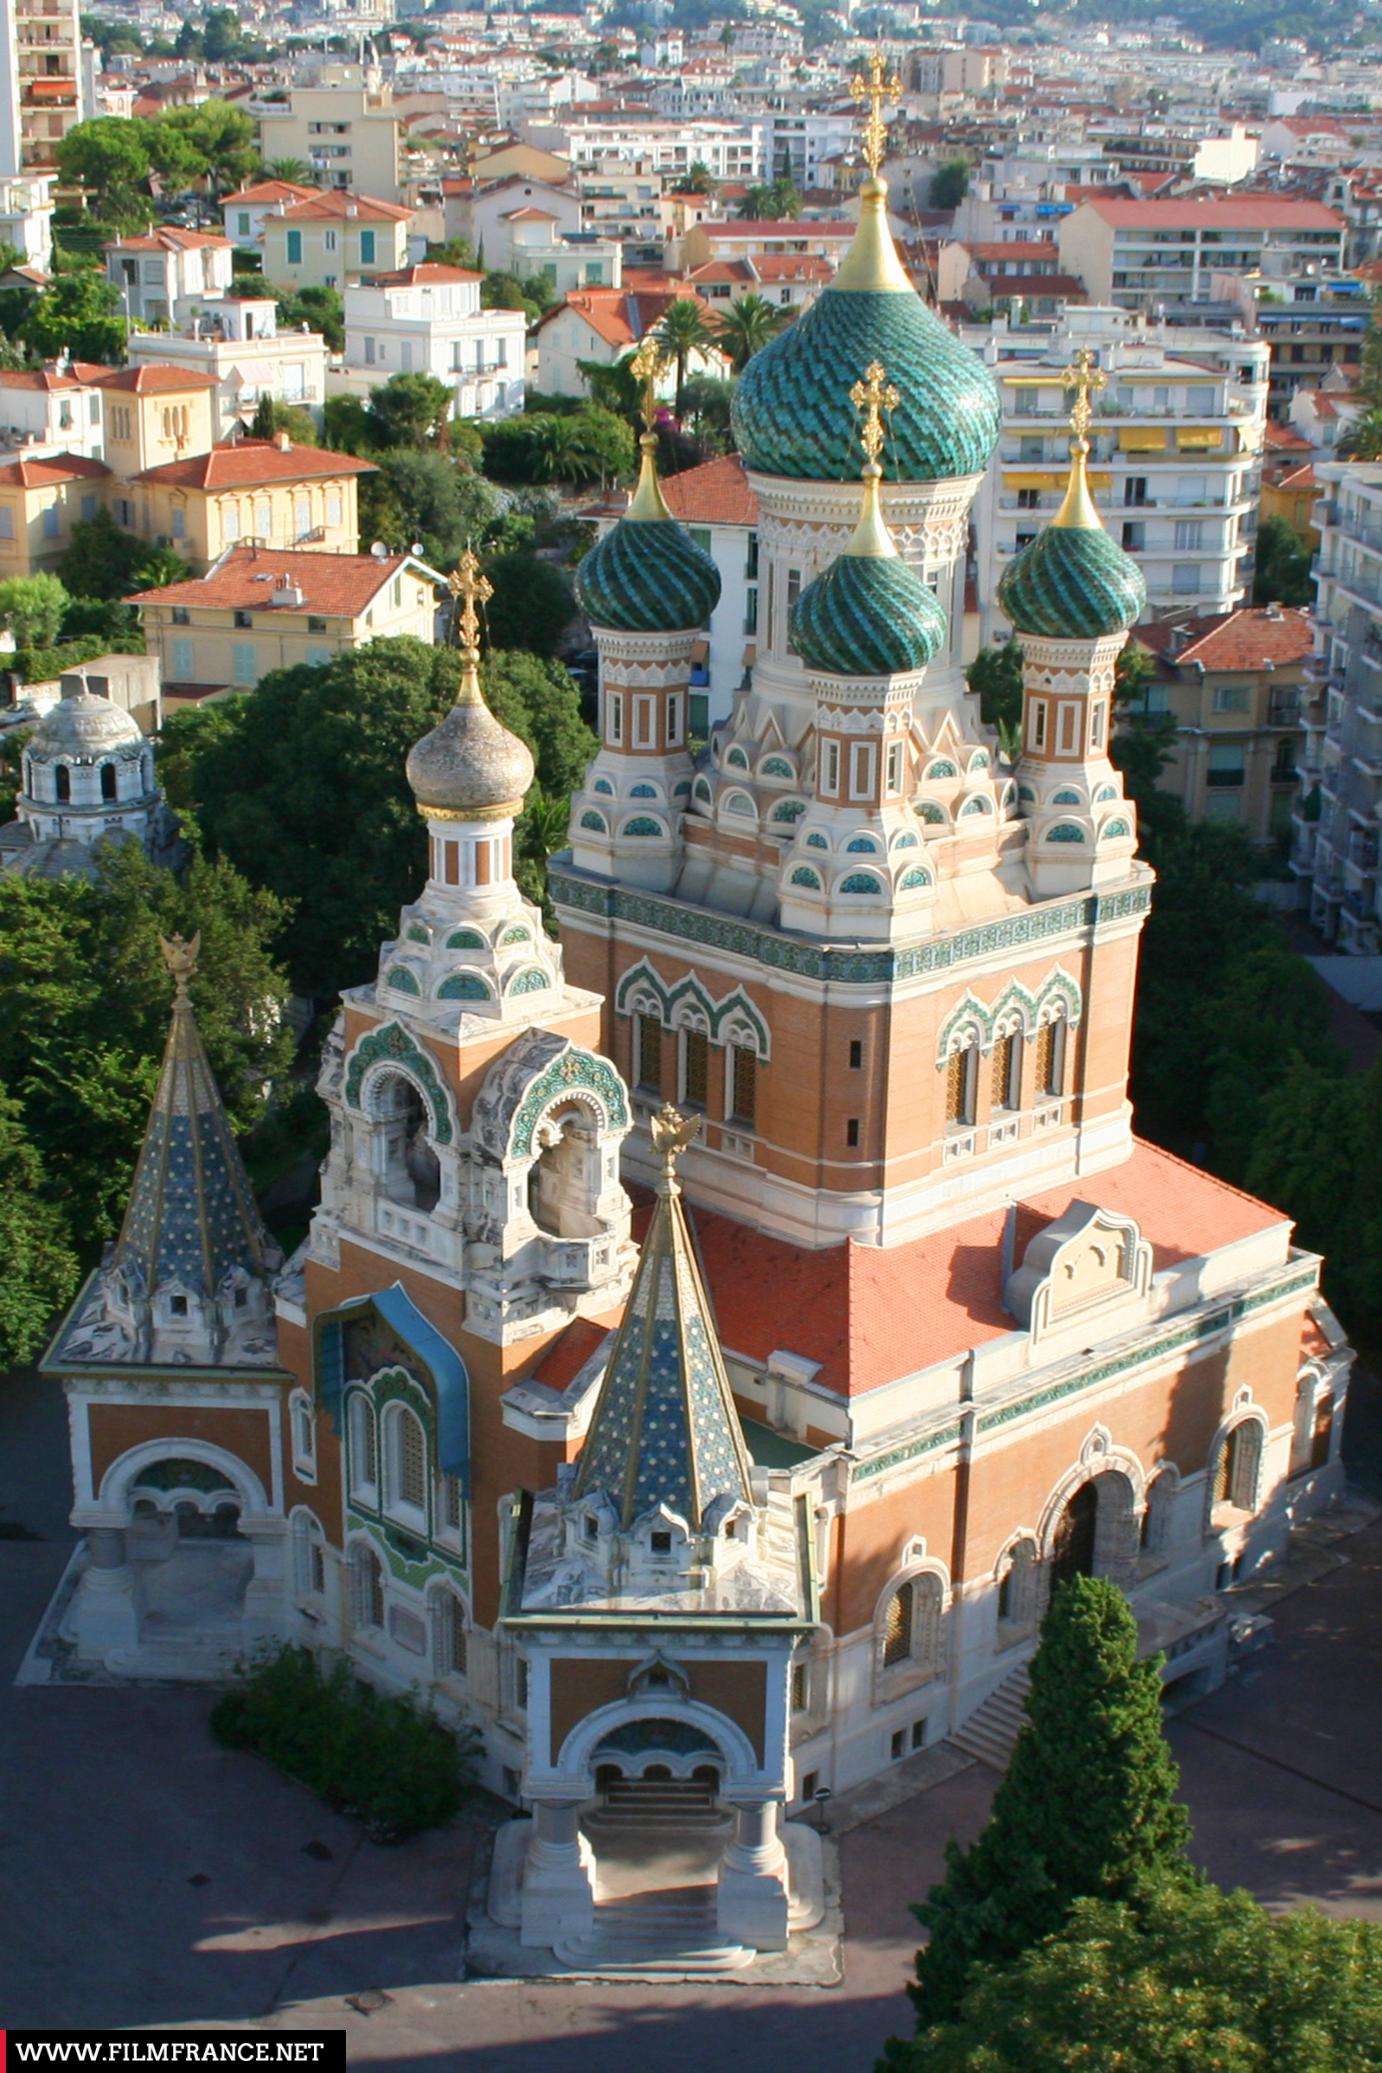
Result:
[691,1031]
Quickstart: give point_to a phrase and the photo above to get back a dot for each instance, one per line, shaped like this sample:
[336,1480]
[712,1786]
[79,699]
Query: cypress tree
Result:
[1088,1805]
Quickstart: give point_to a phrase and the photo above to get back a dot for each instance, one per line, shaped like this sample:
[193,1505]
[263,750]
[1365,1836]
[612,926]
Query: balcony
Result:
[1284,712]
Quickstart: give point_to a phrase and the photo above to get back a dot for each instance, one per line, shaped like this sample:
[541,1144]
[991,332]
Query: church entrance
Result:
[1072,1550]
[656,1774]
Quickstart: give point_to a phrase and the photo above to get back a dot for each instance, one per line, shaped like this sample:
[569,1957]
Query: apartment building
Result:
[166,276]
[729,150]
[245,213]
[1339,810]
[335,237]
[351,136]
[1141,253]
[236,344]
[49,411]
[429,319]
[43,79]
[1175,461]
[266,491]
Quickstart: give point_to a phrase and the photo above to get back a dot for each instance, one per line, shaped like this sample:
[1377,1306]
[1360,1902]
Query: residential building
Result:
[50,411]
[828,240]
[40,502]
[245,213]
[1290,491]
[259,609]
[1233,684]
[1338,816]
[788,280]
[167,276]
[428,319]
[350,135]
[41,79]
[26,215]
[1141,253]
[335,238]
[152,413]
[267,491]
[1312,326]
[1325,415]
[604,325]
[1176,452]
[236,345]
[728,150]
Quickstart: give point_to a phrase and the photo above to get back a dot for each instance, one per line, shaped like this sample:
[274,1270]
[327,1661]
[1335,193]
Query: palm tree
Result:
[757,204]
[749,322]
[784,200]
[682,332]
[1363,439]
[293,170]
[563,450]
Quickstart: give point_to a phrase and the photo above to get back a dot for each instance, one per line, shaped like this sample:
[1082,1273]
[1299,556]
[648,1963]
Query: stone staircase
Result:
[991,1731]
[639,1805]
[672,1932]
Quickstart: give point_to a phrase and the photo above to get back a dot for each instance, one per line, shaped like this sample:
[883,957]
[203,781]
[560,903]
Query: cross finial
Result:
[180,956]
[470,587]
[873,395]
[671,1133]
[1083,375]
[645,366]
[875,88]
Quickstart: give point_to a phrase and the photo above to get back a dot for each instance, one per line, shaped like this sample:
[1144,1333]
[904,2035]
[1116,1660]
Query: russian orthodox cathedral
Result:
[722,1326]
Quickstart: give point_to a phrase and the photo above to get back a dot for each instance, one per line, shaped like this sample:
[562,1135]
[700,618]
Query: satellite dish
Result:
[379,550]
[416,547]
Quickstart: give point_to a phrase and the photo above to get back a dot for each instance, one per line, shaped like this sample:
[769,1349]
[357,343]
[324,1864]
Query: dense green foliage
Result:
[409,410]
[104,561]
[115,159]
[743,329]
[591,444]
[384,1760]
[80,314]
[301,784]
[40,1265]
[84,1000]
[949,184]
[533,603]
[1087,1807]
[1281,568]
[426,500]
[1191,1980]
[32,607]
[320,309]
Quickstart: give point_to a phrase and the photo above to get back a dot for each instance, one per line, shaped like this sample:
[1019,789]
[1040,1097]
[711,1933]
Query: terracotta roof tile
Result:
[1251,212]
[269,191]
[154,378]
[336,585]
[60,467]
[249,461]
[715,493]
[1247,639]
[747,228]
[337,205]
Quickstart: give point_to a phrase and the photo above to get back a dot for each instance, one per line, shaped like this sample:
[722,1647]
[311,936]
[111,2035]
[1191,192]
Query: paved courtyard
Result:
[147,1876]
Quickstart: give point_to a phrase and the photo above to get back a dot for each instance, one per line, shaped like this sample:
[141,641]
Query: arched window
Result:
[304,1434]
[449,1528]
[62,779]
[648,1065]
[1017,1592]
[405,1464]
[408,1166]
[107,780]
[309,1556]
[1238,1467]
[1322,1429]
[961,1074]
[743,1085]
[366,1589]
[897,1626]
[449,1630]
[911,1630]
[1050,1058]
[1007,1071]
[362,1449]
[1156,1515]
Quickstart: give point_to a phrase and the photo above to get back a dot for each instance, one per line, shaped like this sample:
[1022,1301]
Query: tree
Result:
[541,702]
[221,136]
[683,330]
[319,309]
[109,159]
[748,324]
[79,313]
[949,184]
[533,603]
[33,607]
[1363,439]
[410,410]
[425,499]
[700,180]
[1087,1807]
[40,1266]
[613,388]
[104,561]
[295,171]
[1191,1980]
[271,418]
[347,426]
[706,404]
[1282,565]
[996,675]
[587,445]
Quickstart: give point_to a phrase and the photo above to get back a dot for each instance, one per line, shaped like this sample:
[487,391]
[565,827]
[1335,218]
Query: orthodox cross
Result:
[470,588]
[1083,375]
[875,89]
[645,366]
[873,395]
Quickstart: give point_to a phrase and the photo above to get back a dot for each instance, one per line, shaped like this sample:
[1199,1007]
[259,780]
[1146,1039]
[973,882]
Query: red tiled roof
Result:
[1283,438]
[166,240]
[565,1358]
[336,585]
[715,493]
[1252,212]
[336,205]
[156,378]
[249,461]
[870,1314]
[427,273]
[26,378]
[1301,476]
[792,227]
[60,467]
[1069,287]
[269,191]
[1012,248]
[1247,639]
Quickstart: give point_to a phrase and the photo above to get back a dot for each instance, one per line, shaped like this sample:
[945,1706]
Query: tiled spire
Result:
[665,1430]
[192,1217]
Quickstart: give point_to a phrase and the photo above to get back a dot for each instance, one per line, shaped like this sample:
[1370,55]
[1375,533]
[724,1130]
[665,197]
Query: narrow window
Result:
[1005,1056]
[62,778]
[642,723]
[695,1066]
[107,780]
[650,1052]
[861,771]
[1038,723]
[830,783]
[800,1688]
[897,1630]
[1096,724]
[852,1131]
[743,1084]
[894,767]
[674,720]
[615,703]
[856,1054]
[1049,1057]
[959,1085]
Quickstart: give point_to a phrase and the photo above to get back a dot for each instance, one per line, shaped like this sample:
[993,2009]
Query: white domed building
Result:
[88,777]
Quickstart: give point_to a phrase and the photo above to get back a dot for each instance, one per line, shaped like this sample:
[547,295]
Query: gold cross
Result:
[645,366]
[1082,376]
[873,395]
[471,588]
[875,89]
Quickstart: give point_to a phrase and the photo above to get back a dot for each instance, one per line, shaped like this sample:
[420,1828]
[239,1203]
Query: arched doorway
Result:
[564,1181]
[1072,1545]
[657,1773]
[411,1171]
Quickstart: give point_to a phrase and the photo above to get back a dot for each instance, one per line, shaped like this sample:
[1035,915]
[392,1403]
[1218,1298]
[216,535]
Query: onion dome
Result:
[786,407]
[470,767]
[1073,582]
[647,575]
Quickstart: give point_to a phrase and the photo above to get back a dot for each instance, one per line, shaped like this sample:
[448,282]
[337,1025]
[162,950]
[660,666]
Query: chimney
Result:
[283,442]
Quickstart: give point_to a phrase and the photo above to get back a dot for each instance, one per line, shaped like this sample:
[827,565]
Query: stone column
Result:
[559,1877]
[751,1901]
[105,1609]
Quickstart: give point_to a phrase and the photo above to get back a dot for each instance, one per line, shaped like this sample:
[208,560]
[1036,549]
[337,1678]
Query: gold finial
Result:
[1077,512]
[875,88]
[180,956]
[647,500]
[671,1133]
[874,396]
[471,588]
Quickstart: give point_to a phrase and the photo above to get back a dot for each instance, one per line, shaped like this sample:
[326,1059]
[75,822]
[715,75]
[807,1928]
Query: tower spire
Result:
[647,501]
[665,1429]
[1077,512]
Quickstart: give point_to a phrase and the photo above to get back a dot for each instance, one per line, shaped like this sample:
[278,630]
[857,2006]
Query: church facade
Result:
[759,1477]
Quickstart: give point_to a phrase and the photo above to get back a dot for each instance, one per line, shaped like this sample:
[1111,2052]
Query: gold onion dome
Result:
[1073,582]
[869,614]
[470,767]
[786,407]
[647,575]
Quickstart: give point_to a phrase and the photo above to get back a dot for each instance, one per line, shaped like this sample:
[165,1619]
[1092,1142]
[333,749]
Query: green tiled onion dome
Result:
[786,408]
[1073,582]
[869,614]
[647,575]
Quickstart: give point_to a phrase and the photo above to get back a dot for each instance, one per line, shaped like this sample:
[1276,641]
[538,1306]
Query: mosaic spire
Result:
[192,1216]
[665,1430]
